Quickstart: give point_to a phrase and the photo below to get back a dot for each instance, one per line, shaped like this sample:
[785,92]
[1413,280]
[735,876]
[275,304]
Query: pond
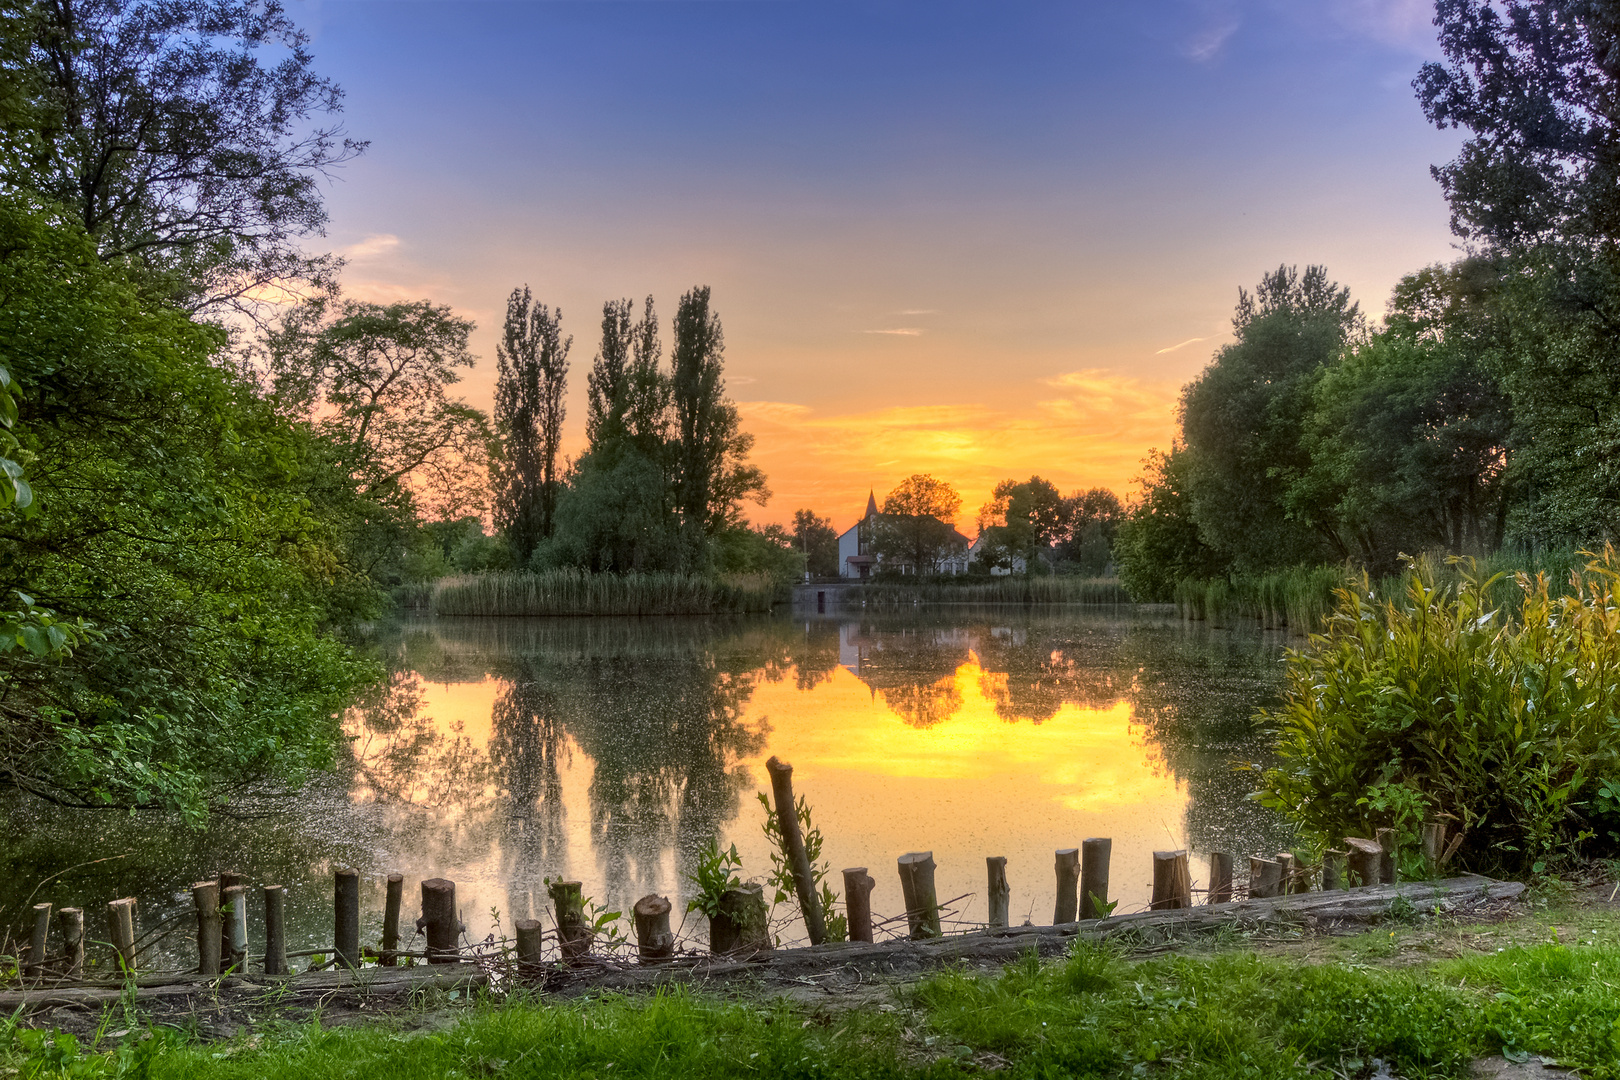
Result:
[504,752]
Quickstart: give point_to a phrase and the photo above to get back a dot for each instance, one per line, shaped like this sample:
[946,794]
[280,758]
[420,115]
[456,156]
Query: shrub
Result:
[1443,702]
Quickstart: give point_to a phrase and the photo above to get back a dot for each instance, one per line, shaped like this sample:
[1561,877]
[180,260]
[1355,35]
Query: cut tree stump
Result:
[121,929]
[1067,864]
[346,916]
[1366,857]
[1220,877]
[275,930]
[440,921]
[740,928]
[38,941]
[205,896]
[858,902]
[531,944]
[234,905]
[568,907]
[393,900]
[998,892]
[654,942]
[70,922]
[917,886]
[1094,857]
[1172,881]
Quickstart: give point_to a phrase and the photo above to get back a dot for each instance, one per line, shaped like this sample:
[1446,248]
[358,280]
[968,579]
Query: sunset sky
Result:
[980,240]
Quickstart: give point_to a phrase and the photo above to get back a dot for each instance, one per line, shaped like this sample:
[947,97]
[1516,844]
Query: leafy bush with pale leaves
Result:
[1502,719]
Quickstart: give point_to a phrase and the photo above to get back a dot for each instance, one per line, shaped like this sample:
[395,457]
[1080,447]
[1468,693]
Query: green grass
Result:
[570,592]
[1013,589]
[1093,1014]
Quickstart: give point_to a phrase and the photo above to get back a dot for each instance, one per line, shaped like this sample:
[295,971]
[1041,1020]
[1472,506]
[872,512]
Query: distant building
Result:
[1018,564]
[858,559]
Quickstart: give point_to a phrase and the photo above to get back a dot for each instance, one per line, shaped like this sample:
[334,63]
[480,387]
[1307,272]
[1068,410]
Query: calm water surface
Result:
[503,752]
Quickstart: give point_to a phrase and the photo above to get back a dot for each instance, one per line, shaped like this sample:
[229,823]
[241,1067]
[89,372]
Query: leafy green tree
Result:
[1093,520]
[1535,184]
[1025,519]
[915,527]
[374,381]
[1409,434]
[532,370]
[183,518]
[712,475]
[817,541]
[1158,543]
[177,148]
[1243,417]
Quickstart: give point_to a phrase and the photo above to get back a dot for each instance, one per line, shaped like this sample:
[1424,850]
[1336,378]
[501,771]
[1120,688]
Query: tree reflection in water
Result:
[664,715]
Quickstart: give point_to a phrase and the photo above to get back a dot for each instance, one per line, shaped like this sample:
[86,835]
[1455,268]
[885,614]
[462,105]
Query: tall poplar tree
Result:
[531,375]
[711,477]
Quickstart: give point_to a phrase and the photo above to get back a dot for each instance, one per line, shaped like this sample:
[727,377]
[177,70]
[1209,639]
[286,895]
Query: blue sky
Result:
[963,238]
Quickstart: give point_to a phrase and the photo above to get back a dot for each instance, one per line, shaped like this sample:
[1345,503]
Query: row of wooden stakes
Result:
[739,927]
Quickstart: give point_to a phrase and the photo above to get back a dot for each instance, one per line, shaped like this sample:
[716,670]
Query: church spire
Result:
[871,504]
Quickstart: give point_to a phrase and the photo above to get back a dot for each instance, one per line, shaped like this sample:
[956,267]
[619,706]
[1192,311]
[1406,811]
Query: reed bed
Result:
[1298,599]
[573,593]
[1301,599]
[1055,589]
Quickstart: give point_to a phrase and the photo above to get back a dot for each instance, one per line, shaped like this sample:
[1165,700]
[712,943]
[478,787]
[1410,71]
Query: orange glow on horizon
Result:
[1080,430]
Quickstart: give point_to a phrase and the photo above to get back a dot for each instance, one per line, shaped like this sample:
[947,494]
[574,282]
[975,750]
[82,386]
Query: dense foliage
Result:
[173,512]
[1504,719]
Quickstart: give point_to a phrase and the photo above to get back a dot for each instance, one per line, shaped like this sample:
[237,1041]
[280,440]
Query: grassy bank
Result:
[1093,1014]
[570,592]
[1051,589]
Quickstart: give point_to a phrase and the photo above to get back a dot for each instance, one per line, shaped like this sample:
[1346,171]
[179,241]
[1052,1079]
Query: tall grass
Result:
[1298,599]
[570,592]
[1052,589]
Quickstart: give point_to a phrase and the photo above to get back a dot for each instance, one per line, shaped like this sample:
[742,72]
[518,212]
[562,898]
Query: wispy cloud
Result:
[903,331]
[918,311]
[1182,345]
[372,246]
[1206,44]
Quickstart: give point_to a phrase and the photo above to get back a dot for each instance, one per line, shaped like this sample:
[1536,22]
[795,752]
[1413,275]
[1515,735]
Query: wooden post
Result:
[346,916]
[395,897]
[1094,857]
[440,921]
[1302,878]
[922,906]
[999,893]
[654,942]
[1264,876]
[1172,881]
[568,904]
[38,942]
[1365,857]
[1067,864]
[1220,877]
[70,922]
[1434,844]
[531,939]
[235,905]
[1386,861]
[205,895]
[121,930]
[227,878]
[1285,873]
[1333,871]
[275,930]
[740,928]
[787,820]
[858,903]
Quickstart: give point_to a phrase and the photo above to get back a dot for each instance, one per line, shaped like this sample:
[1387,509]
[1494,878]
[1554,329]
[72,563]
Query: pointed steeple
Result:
[871,504]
